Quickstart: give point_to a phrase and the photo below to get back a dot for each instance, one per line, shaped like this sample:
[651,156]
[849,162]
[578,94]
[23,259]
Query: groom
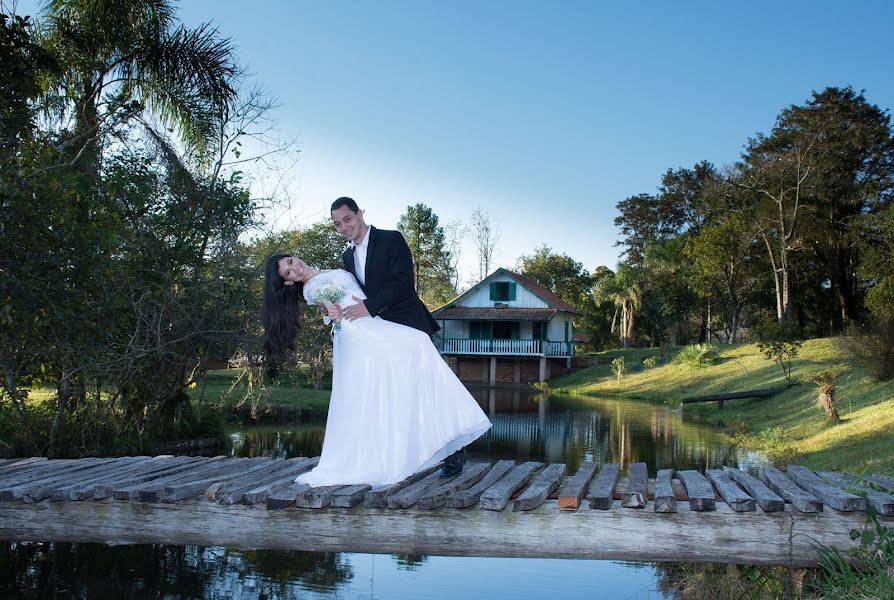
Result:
[381,262]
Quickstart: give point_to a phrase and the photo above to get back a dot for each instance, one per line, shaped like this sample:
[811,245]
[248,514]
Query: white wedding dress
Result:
[396,406]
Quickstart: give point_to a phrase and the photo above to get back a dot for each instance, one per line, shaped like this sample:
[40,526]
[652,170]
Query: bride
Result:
[396,407]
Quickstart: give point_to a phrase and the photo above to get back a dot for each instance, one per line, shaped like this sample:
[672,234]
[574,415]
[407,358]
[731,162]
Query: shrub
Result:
[650,362]
[698,355]
[783,352]
[872,347]
[618,367]
[826,381]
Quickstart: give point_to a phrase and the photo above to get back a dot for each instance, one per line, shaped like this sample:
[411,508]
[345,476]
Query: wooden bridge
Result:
[503,509]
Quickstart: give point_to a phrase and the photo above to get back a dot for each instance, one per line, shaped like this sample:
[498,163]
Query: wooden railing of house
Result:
[490,346]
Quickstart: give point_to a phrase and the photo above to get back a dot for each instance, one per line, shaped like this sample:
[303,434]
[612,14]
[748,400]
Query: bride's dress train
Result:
[396,406]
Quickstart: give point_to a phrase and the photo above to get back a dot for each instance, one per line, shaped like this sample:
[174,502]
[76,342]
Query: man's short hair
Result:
[345,201]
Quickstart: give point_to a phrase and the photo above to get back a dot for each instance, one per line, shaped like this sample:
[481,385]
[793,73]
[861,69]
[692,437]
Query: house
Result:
[508,328]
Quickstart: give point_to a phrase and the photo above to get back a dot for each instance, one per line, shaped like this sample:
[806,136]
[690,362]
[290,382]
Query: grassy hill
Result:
[786,424]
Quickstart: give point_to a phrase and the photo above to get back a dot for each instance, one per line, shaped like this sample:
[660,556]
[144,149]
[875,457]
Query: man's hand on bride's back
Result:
[355,311]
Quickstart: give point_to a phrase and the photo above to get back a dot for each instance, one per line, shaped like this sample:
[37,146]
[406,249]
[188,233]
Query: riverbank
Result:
[788,426]
[291,399]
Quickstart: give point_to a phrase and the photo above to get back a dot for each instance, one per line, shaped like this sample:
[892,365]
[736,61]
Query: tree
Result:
[124,56]
[486,235]
[624,291]
[781,172]
[855,177]
[433,273]
[559,272]
[723,265]
[679,207]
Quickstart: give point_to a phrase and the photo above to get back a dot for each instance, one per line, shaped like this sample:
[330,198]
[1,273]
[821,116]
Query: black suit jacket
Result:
[389,288]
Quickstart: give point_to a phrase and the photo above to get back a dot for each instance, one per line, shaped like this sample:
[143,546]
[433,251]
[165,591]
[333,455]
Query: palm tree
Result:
[624,292]
[121,57]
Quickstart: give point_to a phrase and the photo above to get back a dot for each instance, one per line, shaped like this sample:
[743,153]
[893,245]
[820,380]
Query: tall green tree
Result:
[854,178]
[623,289]
[559,272]
[126,57]
[433,272]
[723,258]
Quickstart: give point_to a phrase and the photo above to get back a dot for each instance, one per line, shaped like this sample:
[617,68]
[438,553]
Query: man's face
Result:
[349,224]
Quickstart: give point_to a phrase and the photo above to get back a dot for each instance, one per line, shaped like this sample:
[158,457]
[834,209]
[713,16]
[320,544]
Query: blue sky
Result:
[545,114]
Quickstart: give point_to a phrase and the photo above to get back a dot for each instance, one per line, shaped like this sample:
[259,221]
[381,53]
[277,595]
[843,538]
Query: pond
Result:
[526,427]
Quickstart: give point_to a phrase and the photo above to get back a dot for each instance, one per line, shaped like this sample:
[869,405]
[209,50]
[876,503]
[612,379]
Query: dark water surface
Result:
[526,427]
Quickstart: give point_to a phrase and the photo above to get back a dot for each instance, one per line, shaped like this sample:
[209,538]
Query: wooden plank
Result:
[665,502]
[259,493]
[59,489]
[545,483]
[21,486]
[179,490]
[800,499]
[316,497]
[639,535]
[574,488]
[193,469]
[470,496]
[825,491]
[16,464]
[882,502]
[230,491]
[471,474]
[701,495]
[602,490]
[732,494]
[497,496]
[82,490]
[634,494]
[285,497]
[121,490]
[407,497]
[377,497]
[349,496]
[766,498]
[49,470]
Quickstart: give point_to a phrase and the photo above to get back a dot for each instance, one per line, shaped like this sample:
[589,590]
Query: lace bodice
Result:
[338,277]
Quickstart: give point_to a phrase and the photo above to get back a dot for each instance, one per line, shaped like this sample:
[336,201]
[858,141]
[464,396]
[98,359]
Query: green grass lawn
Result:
[290,390]
[864,440]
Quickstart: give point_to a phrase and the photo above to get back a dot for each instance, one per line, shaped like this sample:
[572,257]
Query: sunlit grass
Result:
[864,440]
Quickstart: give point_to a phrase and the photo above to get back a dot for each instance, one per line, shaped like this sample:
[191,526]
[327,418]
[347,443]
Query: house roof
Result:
[529,283]
[467,313]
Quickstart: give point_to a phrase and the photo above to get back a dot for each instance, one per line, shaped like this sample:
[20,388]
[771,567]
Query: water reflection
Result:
[529,426]
[49,570]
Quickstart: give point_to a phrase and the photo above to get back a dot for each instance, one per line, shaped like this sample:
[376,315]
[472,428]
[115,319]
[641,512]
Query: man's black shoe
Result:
[453,464]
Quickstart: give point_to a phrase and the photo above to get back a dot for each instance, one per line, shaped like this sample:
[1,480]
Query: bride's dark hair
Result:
[281,312]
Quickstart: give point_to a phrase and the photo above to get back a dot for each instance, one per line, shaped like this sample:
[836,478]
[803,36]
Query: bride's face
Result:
[292,269]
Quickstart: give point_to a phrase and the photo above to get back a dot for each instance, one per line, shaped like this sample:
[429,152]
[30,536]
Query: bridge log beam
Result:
[787,537]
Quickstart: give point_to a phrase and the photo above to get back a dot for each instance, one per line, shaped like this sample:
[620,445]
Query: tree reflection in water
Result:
[49,570]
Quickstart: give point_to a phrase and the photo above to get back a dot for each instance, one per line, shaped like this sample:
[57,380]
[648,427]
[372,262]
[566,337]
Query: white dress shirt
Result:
[360,257]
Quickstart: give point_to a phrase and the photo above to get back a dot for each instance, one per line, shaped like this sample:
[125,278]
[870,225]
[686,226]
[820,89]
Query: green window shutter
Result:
[512,291]
[515,330]
[493,291]
[474,330]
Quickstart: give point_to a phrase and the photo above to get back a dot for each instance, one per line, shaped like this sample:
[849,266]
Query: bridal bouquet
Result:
[330,294]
